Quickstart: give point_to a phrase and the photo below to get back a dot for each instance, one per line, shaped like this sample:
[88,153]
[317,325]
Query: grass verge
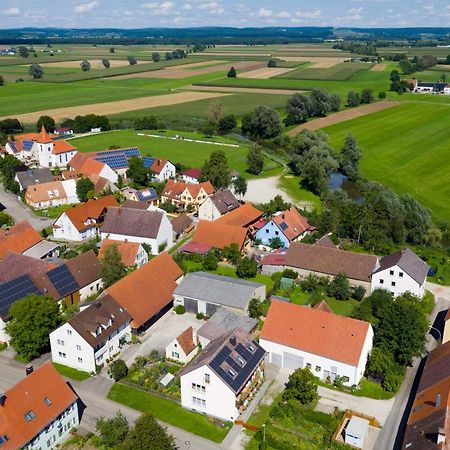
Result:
[69,372]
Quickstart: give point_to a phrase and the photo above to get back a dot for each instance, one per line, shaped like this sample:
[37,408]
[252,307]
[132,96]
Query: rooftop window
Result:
[29,416]
[47,401]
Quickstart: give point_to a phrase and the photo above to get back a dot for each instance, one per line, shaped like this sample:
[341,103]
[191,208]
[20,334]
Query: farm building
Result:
[191,176]
[218,235]
[87,166]
[217,205]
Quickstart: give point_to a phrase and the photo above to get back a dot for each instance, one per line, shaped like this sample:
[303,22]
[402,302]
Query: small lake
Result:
[338,180]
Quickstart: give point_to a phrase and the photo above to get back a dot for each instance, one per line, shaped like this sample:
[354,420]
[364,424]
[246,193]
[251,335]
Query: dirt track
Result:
[378,67]
[119,106]
[343,116]
[265,73]
[240,89]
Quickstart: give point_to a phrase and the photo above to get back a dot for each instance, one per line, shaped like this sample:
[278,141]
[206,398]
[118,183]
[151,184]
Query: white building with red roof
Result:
[328,344]
[162,170]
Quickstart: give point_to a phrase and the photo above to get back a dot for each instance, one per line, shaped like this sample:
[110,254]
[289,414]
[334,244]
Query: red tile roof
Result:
[219,235]
[62,146]
[44,137]
[186,340]
[158,165]
[86,165]
[18,238]
[128,250]
[147,290]
[244,216]
[174,189]
[292,224]
[195,247]
[314,331]
[28,395]
[277,258]
[193,173]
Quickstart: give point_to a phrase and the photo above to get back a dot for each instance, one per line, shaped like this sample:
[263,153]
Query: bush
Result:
[289,273]
[358,293]
[118,370]
[272,63]
[200,316]
[210,261]
[392,381]
[180,309]
[339,287]
[232,73]
[381,95]
[254,308]
[246,268]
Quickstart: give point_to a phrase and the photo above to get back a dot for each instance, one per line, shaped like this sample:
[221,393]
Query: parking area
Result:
[160,334]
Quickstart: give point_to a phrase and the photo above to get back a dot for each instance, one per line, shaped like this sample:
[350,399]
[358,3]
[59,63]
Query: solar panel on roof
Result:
[63,280]
[117,161]
[128,152]
[148,161]
[13,146]
[27,145]
[15,290]
[283,225]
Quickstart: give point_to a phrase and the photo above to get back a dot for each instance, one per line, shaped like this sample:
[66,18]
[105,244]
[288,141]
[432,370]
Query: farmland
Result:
[406,148]
[339,72]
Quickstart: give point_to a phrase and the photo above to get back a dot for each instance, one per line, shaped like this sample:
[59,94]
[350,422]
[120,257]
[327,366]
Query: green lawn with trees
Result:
[405,148]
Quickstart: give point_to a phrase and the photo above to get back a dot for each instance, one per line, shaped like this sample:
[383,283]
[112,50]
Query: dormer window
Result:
[241,361]
[3,439]
[29,416]
[251,348]
[47,401]
[232,373]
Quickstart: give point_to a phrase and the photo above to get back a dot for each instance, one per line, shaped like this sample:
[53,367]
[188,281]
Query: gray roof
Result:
[223,321]
[225,201]
[41,249]
[132,222]
[34,176]
[407,260]
[217,289]
[357,427]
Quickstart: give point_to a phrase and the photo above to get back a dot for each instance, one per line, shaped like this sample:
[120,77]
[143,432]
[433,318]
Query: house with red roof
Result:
[184,347]
[90,167]
[191,175]
[162,169]
[184,195]
[131,253]
[328,344]
[38,412]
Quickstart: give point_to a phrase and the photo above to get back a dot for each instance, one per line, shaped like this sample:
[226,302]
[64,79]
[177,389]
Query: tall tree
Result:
[23,51]
[367,96]
[298,109]
[84,187]
[216,170]
[112,431]
[156,57]
[302,386]
[36,71]
[240,185]
[2,81]
[112,268]
[335,102]
[232,73]
[85,65]
[48,123]
[32,319]
[227,124]
[417,219]
[136,171]
[350,156]
[320,101]
[262,123]
[353,99]
[106,63]
[215,112]
[132,60]
[255,160]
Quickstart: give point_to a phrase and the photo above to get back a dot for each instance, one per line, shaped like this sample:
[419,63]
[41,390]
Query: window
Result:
[29,416]
[276,233]
[381,281]
[80,360]
[198,387]
[308,365]
[207,378]
[400,274]
[345,379]
[393,283]
[60,342]
[199,401]
[62,355]
[391,272]
[47,401]
[232,373]
[318,368]
[69,332]
[175,355]
[78,347]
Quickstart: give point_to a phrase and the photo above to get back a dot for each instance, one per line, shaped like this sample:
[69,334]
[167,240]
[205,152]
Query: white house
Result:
[330,345]
[224,377]
[53,193]
[88,166]
[184,347]
[83,222]
[217,205]
[401,272]
[34,176]
[38,412]
[131,253]
[135,225]
[161,169]
[94,335]
[191,176]
[52,153]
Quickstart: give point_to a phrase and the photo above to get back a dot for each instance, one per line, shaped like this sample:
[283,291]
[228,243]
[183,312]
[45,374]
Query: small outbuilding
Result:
[356,431]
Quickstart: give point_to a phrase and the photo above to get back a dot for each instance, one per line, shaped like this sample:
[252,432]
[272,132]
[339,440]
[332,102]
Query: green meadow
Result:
[339,72]
[407,148]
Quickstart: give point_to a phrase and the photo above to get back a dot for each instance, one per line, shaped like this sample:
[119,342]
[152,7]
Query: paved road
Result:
[16,209]
[391,434]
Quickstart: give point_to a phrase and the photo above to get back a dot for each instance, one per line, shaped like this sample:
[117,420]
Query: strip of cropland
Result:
[339,72]
[407,148]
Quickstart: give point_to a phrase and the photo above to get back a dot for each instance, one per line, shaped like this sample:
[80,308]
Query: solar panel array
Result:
[13,146]
[283,225]
[117,161]
[240,371]
[63,280]
[14,290]
[148,161]
[27,145]
[128,152]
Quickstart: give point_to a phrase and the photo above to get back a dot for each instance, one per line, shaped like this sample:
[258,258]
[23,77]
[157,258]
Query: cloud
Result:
[356,10]
[212,7]
[429,8]
[86,7]
[11,12]
[264,12]
[282,15]
[308,14]
[187,7]
[159,9]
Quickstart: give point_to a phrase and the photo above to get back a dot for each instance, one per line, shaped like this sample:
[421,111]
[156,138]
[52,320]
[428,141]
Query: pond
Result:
[338,180]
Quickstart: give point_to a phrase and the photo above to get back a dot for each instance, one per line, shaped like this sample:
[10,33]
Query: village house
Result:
[100,184]
[132,253]
[53,193]
[147,196]
[91,337]
[222,380]
[147,293]
[182,224]
[246,216]
[160,169]
[83,222]
[38,412]
[186,196]
[401,272]
[202,292]
[217,205]
[428,426]
[152,228]
[328,344]
[286,226]
[430,88]
[191,175]
[34,176]
[116,159]
[14,265]
[184,347]
[87,166]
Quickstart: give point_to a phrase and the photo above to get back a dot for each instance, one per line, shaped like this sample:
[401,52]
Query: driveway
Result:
[19,212]
[161,334]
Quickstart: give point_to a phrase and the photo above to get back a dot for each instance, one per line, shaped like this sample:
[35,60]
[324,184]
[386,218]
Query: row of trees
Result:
[366,97]
[397,84]
[84,124]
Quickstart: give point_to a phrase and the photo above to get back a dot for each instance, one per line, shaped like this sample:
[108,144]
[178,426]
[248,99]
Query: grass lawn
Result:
[291,184]
[340,72]
[406,148]
[52,212]
[69,372]
[342,307]
[190,154]
[231,272]
[365,388]
[168,411]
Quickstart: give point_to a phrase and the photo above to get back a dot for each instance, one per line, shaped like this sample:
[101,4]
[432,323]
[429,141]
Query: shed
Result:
[356,431]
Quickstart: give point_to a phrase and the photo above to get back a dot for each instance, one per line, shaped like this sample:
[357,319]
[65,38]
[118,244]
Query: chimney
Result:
[233,340]
[440,439]
[438,400]
[2,399]
[29,370]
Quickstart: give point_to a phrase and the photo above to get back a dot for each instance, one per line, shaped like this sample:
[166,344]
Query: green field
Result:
[340,72]
[407,148]
[190,154]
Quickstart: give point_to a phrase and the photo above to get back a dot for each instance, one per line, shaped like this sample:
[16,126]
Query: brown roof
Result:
[186,340]
[92,209]
[323,306]
[147,290]
[30,394]
[325,241]
[219,235]
[430,412]
[104,315]
[128,250]
[134,204]
[132,222]
[86,164]
[314,331]
[174,189]
[225,201]
[40,192]
[15,265]
[331,261]
[18,238]
[85,268]
[244,216]
[158,165]
[291,223]
[180,223]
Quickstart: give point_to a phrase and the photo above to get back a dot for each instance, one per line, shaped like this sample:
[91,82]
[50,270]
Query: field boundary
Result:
[197,141]
[343,116]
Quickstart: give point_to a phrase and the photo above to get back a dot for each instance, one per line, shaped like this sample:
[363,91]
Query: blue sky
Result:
[239,13]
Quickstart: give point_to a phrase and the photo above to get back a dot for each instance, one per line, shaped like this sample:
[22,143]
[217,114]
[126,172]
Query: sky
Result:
[239,13]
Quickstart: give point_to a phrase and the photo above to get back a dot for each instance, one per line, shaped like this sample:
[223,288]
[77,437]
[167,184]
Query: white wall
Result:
[220,399]
[167,172]
[62,159]
[4,337]
[69,232]
[208,211]
[404,283]
[109,174]
[174,349]
[190,180]
[45,154]
[90,289]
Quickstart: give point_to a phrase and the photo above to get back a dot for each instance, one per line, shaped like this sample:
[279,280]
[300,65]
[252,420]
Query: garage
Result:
[276,358]
[291,361]
[210,309]
[191,306]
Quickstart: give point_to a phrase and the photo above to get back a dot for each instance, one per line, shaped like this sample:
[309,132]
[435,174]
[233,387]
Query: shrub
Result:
[254,308]
[232,73]
[246,268]
[381,95]
[200,316]
[272,63]
[358,293]
[180,309]
[289,273]
[118,370]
